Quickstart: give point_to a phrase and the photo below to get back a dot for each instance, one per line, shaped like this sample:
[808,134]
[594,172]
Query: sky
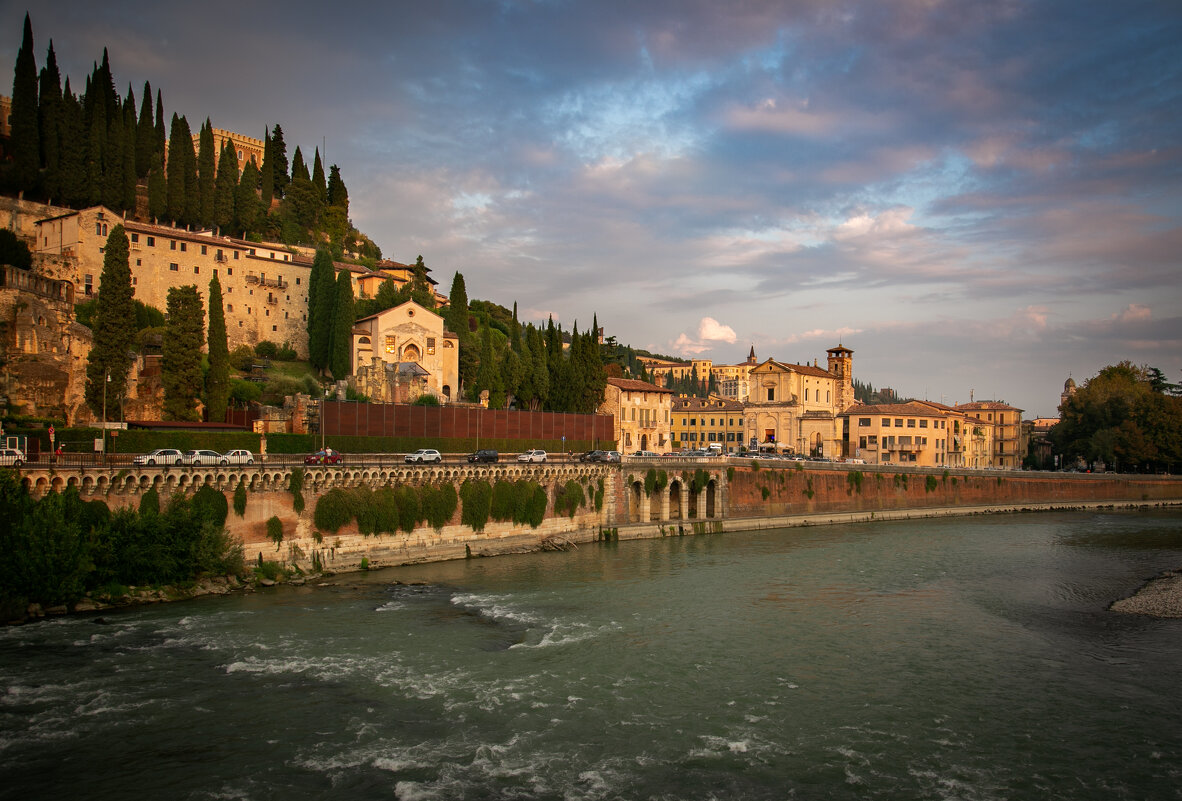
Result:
[980,199]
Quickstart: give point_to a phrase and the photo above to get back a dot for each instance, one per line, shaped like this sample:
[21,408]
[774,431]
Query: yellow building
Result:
[246,148]
[1009,444]
[401,274]
[795,408]
[404,352]
[642,412]
[698,422]
[898,433]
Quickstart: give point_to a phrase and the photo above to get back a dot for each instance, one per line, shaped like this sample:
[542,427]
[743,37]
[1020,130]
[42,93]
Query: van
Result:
[714,449]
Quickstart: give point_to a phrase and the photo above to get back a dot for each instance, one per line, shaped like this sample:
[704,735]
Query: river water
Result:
[938,659]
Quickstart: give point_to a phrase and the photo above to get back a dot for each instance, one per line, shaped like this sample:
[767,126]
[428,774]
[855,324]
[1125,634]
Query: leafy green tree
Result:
[24,139]
[181,364]
[248,210]
[113,337]
[145,139]
[157,189]
[206,169]
[321,299]
[217,380]
[341,347]
[226,189]
[50,112]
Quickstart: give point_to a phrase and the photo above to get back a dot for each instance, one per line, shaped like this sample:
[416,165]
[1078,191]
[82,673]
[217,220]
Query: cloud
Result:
[710,332]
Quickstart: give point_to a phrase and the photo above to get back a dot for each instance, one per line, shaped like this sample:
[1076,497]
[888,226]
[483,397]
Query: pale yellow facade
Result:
[385,343]
[643,414]
[1008,447]
[700,422]
[795,408]
[908,434]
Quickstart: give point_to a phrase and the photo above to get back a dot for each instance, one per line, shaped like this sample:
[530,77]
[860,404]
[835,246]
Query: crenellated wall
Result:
[694,496]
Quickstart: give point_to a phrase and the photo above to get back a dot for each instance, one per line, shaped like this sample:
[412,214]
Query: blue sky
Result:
[975,197]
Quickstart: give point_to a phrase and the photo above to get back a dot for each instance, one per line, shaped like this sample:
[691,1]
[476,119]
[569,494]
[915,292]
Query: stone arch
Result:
[58,484]
[711,498]
[675,493]
[691,507]
[635,497]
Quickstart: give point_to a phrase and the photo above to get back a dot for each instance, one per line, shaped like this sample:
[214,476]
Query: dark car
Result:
[325,456]
[484,455]
[593,456]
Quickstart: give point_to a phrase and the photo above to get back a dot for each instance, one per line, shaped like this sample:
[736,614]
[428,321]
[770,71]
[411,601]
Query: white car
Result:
[160,456]
[11,457]
[423,455]
[203,457]
[532,456]
[238,456]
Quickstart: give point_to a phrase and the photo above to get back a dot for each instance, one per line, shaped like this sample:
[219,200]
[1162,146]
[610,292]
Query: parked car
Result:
[593,456]
[160,456]
[12,457]
[238,456]
[424,455]
[612,456]
[645,454]
[532,456]
[323,456]
[202,457]
[484,455]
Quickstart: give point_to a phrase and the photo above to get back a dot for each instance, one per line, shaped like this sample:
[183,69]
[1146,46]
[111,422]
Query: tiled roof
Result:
[889,409]
[706,404]
[989,406]
[632,385]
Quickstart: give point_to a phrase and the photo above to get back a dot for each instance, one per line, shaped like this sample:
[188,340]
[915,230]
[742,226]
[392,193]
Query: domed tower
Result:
[841,364]
[1068,391]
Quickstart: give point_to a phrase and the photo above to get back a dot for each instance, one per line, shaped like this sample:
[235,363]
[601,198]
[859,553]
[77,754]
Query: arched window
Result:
[410,353]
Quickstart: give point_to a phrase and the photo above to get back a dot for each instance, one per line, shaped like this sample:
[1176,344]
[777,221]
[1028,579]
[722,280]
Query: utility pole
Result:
[105,382]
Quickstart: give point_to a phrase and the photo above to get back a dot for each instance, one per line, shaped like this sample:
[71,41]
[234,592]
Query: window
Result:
[89,281]
[172,244]
[910,423]
[771,393]
[898,422]
[139,262]
[872,439]
[390,345]
[135,237]
[923,423]
[229,271]
[430,346]
[693,421]
[174,267]
[863,422]
[861,442]
[274,328]
[806,394]
[235,255]
[827,397]
[135,281]
[98,229]
[297,282]
[203,251]
[151,241]
[230,307]
[886,422]
[196,271]
[184,247]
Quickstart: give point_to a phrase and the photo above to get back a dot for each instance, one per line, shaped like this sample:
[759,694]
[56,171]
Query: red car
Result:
[323,456]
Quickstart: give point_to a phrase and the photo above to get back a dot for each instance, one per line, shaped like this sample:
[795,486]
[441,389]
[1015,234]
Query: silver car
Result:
[203,457]
[532,456]
[238,456]
[160,456]
[11,457]
[425,455]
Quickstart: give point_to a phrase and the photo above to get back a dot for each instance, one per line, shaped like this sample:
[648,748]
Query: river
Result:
[964,658]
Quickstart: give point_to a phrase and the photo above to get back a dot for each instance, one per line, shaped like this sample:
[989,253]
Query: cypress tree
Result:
[217,381]
[226,188]
[51,111]
[192,186]
[113,335]
[24,141]
[338,194]
[342,327]
[176,170]
[299,170]
[279,157]
[181,363]
[157,189]
[161,132]
[97,145]
[318,180]
[145,136]
[112,191]
[267,174]
[72,180]
[321,298]
[456,315]
[540,374]
[129,152]
[206,167]
[247,207]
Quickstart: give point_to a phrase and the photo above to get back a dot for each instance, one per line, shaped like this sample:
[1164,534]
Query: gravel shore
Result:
[1158,597]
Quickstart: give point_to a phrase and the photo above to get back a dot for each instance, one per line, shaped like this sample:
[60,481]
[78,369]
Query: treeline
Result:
[1126,416]
[58,548]
[91,148]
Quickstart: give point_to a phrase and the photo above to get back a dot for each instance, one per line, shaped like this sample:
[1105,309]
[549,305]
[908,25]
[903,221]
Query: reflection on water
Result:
[966,659]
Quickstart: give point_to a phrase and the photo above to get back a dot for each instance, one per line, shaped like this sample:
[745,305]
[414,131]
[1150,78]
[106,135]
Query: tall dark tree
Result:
[157,189]
[72,180]
[299,170]
[342,327]
[145,137]
[161,131]
[130,131]
[178,142]
[24,141]
[279,158]
[217,380]
[192,183]
[267,173]
[318,179]
[113,335]
[248,210]
[207,165]
[181,362]
[226,189]
[97,153]
[321,299]
[338,194]
[51,110]
[112,180]
[456,314]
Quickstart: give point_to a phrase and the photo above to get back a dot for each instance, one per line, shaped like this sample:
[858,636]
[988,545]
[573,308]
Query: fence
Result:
[462,422]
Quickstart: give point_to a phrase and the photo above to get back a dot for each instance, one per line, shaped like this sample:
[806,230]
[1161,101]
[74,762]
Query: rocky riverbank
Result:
[1161,596]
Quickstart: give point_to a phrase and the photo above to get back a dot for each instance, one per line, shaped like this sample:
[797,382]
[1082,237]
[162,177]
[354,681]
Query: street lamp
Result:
[107,381]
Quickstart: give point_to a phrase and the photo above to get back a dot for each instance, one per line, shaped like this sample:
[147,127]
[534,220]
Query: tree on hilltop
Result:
[24,139]
[206,170]
[113,334]
[181,362]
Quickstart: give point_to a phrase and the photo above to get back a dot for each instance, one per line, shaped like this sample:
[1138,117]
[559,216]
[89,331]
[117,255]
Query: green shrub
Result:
[438,504]
[269,570]
[385,511]
[477,500]
[426,400]
[854,480]
[240,499]
[408,508]
[930,484]
[210,505]
[242,358]
[275,531]
[333,510]
[296,484]
[568,498]
[266,349]
[150,502]
[286,353]
[765,492]
[730,473]
[364,510]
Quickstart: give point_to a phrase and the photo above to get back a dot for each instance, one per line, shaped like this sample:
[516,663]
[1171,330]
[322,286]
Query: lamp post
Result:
[105,382]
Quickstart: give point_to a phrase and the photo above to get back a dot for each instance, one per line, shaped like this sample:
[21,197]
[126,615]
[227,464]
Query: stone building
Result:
[698,422]
[1009,442]
[795,408]
[913,434]
[642,413]
[404,352]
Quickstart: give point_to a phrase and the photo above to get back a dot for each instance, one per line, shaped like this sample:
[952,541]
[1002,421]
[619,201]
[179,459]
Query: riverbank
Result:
[1161,596]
